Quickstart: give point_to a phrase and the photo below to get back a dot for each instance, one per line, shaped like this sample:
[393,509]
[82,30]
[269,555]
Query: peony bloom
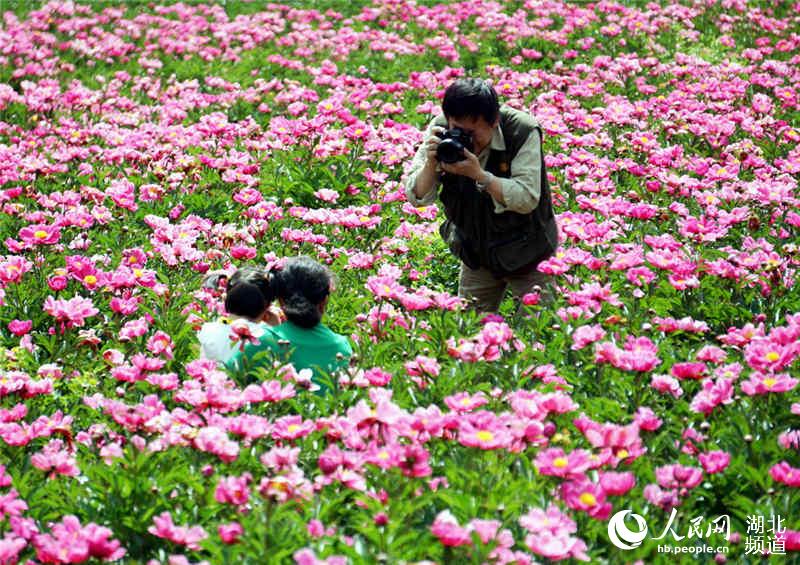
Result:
[483,430]
[72,312]
[69,542]
[667,385]
[694,371]
[585,335]
[20,327]
[556,463]
[230,533]
[465,402]
[163,527]
[233,490]
[244,333]
[712,395]
[786,474]
[617,484]
[446,529]
[40,234]
[760,383]
[678,476]
[586,496]
[714,461]
[664,499]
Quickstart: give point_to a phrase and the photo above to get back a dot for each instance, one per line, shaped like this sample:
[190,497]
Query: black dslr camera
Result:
[451,148]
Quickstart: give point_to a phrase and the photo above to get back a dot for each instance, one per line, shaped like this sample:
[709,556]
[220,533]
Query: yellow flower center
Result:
[292,428]
[770,382]
[560,462]
[588,499]
[772,356]
[40,234]
[483,435]
[622,453]
[383,455]
[90,279]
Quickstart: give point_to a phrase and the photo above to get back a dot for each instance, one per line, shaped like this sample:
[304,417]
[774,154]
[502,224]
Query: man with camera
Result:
[494,190]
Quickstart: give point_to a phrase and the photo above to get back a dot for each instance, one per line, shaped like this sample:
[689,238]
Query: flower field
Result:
[142,145]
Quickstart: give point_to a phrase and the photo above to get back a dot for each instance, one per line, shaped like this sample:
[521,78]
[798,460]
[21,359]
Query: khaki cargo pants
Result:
[485,293]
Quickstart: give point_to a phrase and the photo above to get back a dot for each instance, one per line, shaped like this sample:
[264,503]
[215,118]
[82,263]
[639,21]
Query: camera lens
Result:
[450,151]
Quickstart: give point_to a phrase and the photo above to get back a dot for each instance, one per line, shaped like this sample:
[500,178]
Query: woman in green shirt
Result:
[303,287]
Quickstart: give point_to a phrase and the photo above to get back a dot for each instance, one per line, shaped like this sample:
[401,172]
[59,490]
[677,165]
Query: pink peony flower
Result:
[617,484]
[40,234]
[786,474]
[586,496]
[760,383]
[230,533]
[72,312]
[678,476]
[714,461]
[556,463]
[446,529]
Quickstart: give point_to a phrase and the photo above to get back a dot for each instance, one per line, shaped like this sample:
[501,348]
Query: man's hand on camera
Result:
[431,144]
[468,167]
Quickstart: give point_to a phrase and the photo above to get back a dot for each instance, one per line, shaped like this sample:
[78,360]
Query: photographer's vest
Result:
[505,243]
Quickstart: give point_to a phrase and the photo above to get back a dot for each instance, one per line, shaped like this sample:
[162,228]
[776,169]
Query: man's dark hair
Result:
[302,284]
[249,293]
[471,98]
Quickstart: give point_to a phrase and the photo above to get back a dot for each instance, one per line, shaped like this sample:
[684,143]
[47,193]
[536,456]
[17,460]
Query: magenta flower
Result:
[233,490]
[69,542]
[555,462]
[292,428]
[72,312]
[163,527]
[678,476]
[639,354]
[40,234]
[243,333]
[714,461]
[20,327]
[664,499]
[785,474]
[585,335]
[13,267]
[713,394]
[446,529]
[483,430]
[694,371]
[586,496]
[760,383]
[465,402]
[615,483]
[230,533]
[56,460]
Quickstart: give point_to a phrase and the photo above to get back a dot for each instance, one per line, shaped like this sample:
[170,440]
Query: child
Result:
[248,302]
[302,287]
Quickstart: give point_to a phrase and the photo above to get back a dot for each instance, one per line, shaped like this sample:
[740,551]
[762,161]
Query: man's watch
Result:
[483,185]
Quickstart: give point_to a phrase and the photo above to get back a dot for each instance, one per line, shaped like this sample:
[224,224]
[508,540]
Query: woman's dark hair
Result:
[302,285]
[249,293]
[471,98]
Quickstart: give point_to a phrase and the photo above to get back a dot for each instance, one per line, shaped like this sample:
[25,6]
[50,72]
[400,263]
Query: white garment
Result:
[215,339]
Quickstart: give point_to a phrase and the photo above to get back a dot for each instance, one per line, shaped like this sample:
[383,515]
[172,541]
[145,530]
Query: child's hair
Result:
[249,293]
[302,285]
